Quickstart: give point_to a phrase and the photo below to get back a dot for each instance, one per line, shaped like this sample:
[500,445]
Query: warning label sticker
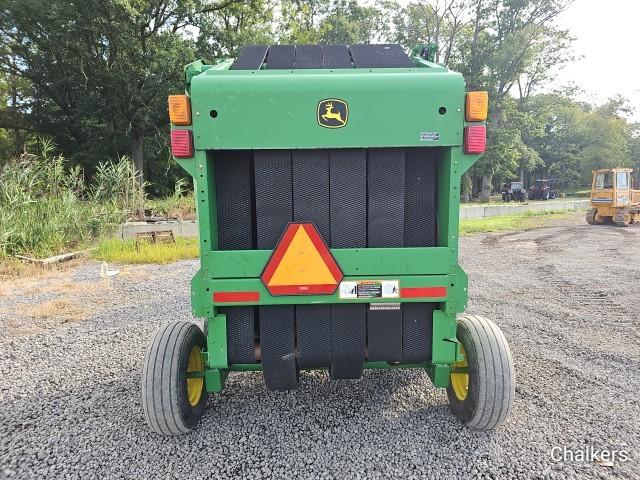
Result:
[369,289]
[429,136]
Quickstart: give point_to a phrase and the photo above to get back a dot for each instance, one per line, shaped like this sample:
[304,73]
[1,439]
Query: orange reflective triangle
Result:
[301,264]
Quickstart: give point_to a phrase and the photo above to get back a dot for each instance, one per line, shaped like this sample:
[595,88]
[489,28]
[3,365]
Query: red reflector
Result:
[475,139]
[228,297]
[182,143]
[420,292]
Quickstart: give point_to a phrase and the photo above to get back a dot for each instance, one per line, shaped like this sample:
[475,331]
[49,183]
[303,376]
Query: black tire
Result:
[165,398]
[622,218]
[491,376]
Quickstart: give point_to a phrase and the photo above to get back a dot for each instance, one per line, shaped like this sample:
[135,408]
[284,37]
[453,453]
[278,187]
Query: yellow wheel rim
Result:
[195,385]
[460,381]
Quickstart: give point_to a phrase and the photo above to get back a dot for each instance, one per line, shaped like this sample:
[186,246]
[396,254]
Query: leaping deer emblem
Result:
[331,115]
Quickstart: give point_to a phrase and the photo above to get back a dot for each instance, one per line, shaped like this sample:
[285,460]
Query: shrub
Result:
[46,208]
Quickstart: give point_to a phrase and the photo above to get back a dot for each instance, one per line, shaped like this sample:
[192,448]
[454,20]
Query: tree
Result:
[244,23]
[497,45]
[329,22]
[606,136]
[634,151]
[100,70]
[560,144]
[347,23]
[300,20]
[438,21]
[514,35]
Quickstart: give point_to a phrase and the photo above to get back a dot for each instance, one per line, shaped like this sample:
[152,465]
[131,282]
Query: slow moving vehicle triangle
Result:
[301,264]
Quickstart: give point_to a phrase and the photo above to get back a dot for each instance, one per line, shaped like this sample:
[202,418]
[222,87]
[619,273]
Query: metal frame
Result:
[225,271]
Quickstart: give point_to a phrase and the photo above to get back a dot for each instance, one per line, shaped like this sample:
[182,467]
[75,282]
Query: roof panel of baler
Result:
[287,57]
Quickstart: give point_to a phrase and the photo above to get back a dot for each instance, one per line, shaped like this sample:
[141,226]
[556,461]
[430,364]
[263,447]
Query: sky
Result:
[607,47]
[607,36]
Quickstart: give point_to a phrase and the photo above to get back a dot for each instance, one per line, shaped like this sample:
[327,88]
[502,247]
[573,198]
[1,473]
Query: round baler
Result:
[327,185]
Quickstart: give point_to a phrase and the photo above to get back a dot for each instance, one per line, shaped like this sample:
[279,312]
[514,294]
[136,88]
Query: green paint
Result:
[217,341]
[439,374]
[352,261]
[214,379]
[273,109]
[256,285]
[277,108]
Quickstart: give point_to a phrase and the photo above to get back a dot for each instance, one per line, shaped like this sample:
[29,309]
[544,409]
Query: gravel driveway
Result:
[71,349]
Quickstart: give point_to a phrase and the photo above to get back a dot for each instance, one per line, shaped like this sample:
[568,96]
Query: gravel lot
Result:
[71,349]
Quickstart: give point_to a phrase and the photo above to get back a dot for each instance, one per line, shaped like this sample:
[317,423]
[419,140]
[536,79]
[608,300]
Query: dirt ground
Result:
[566,297]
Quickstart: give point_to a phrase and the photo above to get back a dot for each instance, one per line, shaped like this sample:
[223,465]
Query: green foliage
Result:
[578,137]
[117,183]
[94,75]
[329,22]
[526,221]
[240,23]
[100,72]
[349,23]
[46,208]
[507,153]
[605,141]
[181,204]
[132,251]
[430,22]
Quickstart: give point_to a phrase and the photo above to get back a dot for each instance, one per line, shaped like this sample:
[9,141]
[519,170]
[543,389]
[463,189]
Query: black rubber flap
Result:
[313,333]
[273,195]
[379,56]
[281,57]
[348,340]
[234,202]
[311,189]
[251,58]
[336,56]
[309,56]
[384,333]
[277,341]
[417,332]
[348,204]
[385,215]
[240,334]
[288,57]
[420,213]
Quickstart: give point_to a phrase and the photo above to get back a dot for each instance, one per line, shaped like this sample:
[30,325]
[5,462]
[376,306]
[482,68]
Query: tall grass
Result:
[524,221]
[128,251]
[47,208]
[179,205]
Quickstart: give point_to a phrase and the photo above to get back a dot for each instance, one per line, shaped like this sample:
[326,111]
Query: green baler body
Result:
[421,106]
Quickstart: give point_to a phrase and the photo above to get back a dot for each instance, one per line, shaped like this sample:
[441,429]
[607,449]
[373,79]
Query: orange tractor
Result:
[613,198]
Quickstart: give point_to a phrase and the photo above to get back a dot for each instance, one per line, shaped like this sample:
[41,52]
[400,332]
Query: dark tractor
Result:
[513,191]
[542,190]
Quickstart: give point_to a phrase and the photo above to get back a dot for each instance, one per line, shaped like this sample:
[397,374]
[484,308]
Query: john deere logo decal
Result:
[333,113]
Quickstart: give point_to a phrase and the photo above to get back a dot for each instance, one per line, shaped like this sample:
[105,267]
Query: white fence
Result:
[496,210]
[190,228]
[179,228]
